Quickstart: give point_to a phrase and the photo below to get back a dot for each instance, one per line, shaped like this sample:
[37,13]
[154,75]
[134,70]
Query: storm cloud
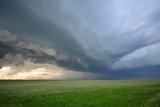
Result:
[145,56]
[111,37]
[7,36]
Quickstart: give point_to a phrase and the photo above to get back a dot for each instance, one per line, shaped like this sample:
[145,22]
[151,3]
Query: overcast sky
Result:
[118,39]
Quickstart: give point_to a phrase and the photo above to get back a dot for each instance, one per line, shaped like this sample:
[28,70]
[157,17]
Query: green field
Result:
[80,93]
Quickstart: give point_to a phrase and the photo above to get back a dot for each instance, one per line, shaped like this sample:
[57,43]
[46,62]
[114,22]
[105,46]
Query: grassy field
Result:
[91,93]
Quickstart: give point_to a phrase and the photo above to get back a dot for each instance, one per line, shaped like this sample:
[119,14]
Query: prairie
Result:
[80,93]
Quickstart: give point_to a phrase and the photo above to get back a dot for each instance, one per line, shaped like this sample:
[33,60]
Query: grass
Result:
[80,93]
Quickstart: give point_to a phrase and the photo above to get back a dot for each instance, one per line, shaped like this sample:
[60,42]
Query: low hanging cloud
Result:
[146,56]
[49,55]
[33,74]
[42,71]
[17,55]
[36,47]
[14,59]
[16,52]
[7,36]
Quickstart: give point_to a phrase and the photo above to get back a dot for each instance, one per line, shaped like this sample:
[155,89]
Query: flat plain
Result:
[80,93]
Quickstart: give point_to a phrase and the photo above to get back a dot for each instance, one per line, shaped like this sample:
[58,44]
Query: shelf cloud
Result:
[108,37]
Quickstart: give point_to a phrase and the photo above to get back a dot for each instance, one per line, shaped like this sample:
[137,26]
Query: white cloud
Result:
[9,73]
[146,56]
[4,71]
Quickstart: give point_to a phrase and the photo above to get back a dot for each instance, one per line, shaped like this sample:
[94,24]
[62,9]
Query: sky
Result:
[85,39]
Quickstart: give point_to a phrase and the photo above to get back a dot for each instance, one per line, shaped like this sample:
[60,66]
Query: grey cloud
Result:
[145,56]
[96,29]
[52,56]
[7,36]
[30,25]
[15,59]
[18,52]
[36,47]
[99,33]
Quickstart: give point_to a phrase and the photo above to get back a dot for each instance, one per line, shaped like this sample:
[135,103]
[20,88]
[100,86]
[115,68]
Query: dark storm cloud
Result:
[107,35]
[17,16]
[7,36]
[9,58]
[13,53]
[36,27]
[16,52]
